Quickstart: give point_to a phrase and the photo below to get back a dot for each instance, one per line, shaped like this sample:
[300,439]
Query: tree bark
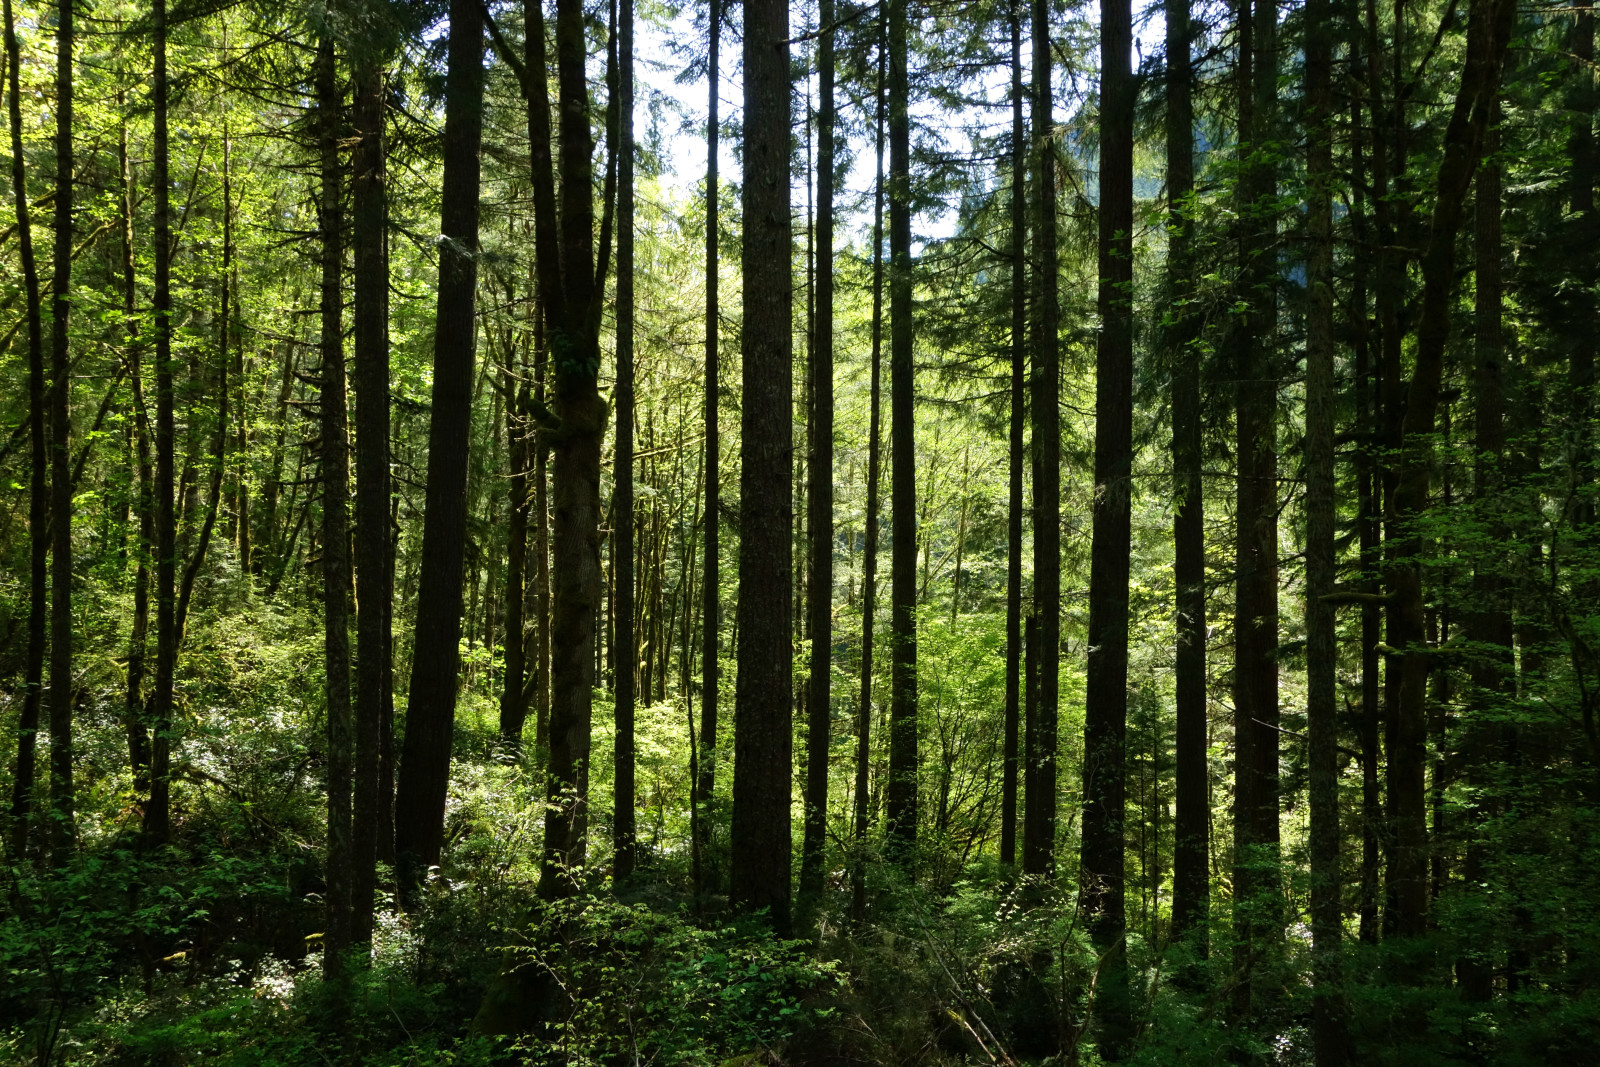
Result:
[627,652]
[1039,816]
[63,832]
[1019,413]
[1329,1041]
[710,583]
[902,789]
[1191,881]
[430,707]
[1106,713]
[819,504]
[22,814]
[763,702]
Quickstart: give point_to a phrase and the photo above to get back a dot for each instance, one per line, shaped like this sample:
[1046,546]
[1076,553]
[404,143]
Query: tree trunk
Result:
[335,533]
[902,792]
[22,813]
[1329,1041]
[1106,713]
[819,504]
[869,560]
[1019,413]
[63,834]
[1488,37]
[710,582]
[627,652]
[1039,817]
[763,704]
[430,707]
[374,566]
[1256,835]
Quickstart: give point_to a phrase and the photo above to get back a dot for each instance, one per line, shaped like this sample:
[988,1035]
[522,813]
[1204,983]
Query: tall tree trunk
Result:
[1256,832]
[1322,650]
[430,707]
[1488,36]
[335,523]
[819,503]
[1489,625]
[869,559]
[1579,325]
[710,583]
[1106,714]
[63,833]
[627,652]
[1019,412]
[902,792]
[38,491]
[1039,816]
[137,725]
[157,819]
[1191,880]
[763,704]
[373,563]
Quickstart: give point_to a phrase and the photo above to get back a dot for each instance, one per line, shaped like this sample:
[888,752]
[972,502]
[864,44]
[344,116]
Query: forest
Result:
[730,533]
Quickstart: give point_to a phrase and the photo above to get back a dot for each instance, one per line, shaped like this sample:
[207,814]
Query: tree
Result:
[1018,415]
[819,500]
[1039,815]
[627,654]
[1190,877]
[761,759]
[902,787]
[430,706]
[1106,716]
[38,487]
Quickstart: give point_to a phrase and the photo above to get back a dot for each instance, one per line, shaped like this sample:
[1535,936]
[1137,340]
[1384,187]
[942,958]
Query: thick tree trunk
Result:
[373,562]
[1106,713]
[1039,816]
[763,704]
[335,522]
[902,790]
[1191,879]
[1019,413]
[819,503]
[1330,1044]
[430,706]
[627,652]
[63,823]
[22,813]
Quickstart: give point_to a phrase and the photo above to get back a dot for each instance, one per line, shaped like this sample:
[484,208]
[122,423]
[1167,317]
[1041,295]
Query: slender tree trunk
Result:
[138,726]
[1019,413]
[1330,1044]
[1191,880]
[514,688]
[1580,104]
[710,583]
[1489,626]
[1106,713]
[157,820]
[22,813]
[763,703]
[1488,37]
[374,565]
[1039,817]
[430,708]
[903,759]
[819,504]
[869,561]
[335,533]
[627,653]
[63,832]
